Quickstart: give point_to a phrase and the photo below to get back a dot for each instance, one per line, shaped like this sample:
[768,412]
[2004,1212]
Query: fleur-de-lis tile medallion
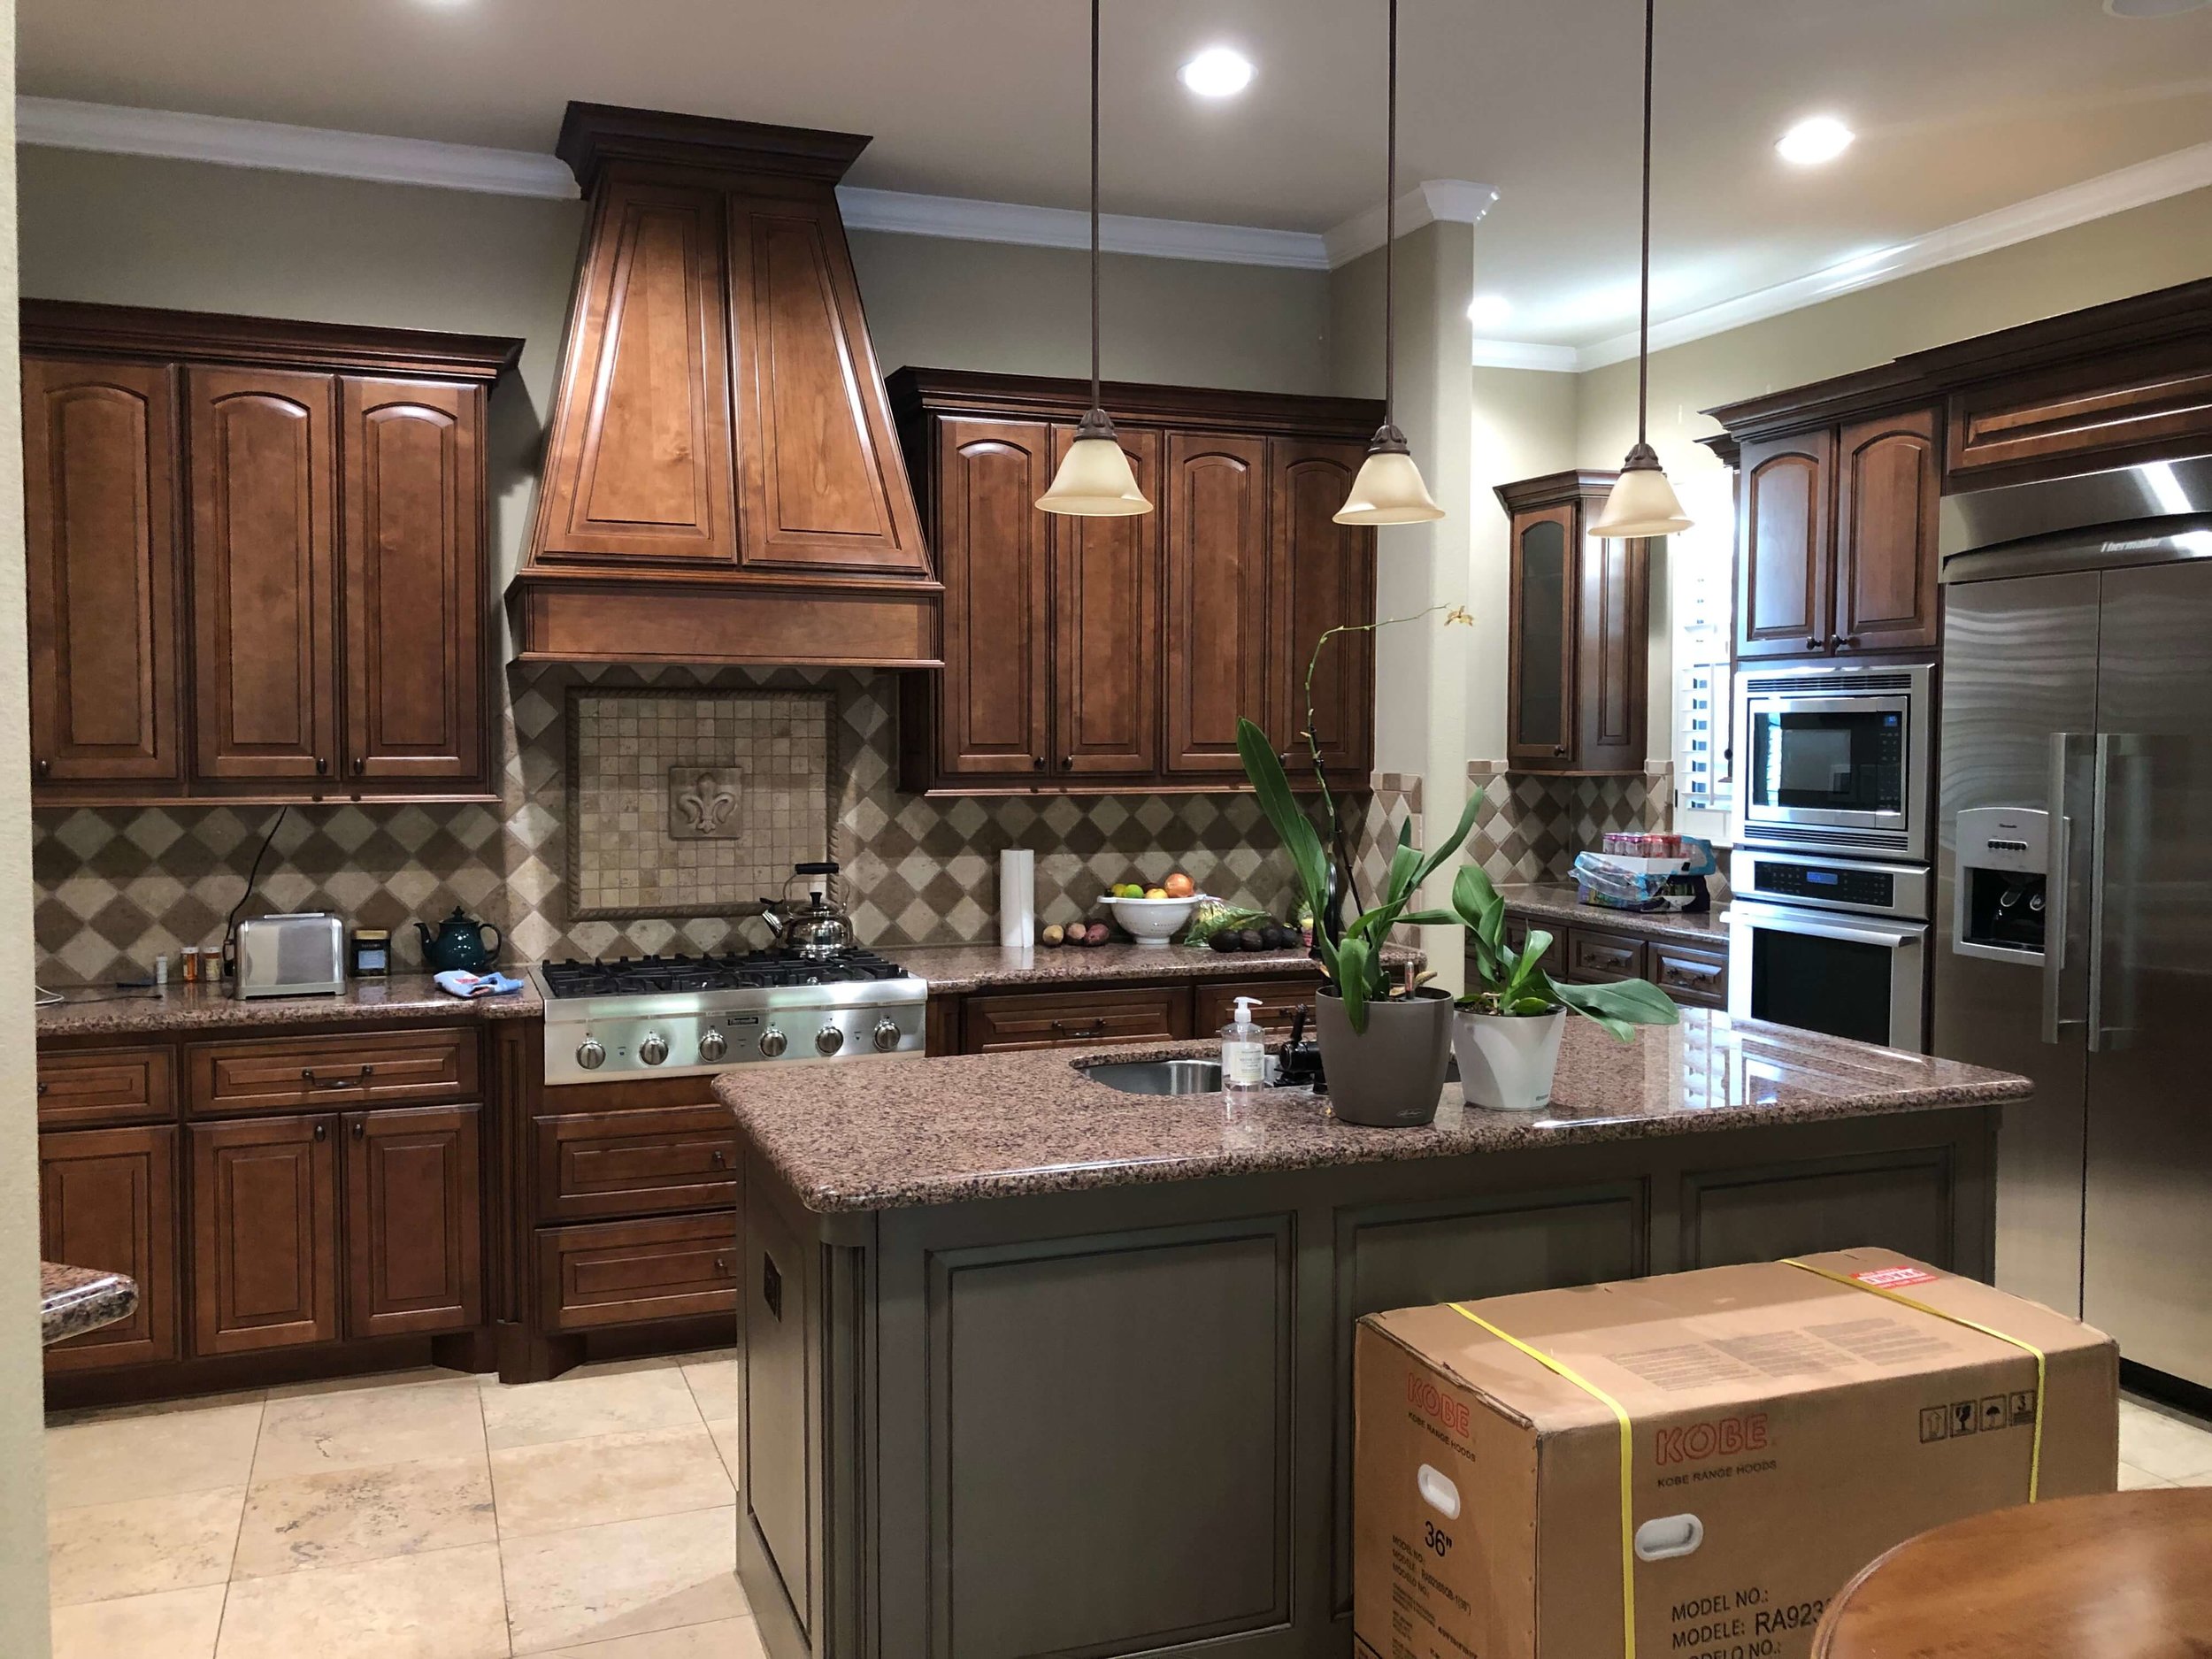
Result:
[702,803]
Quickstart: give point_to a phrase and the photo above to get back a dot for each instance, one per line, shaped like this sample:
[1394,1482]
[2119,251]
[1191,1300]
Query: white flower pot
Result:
[1506,1062]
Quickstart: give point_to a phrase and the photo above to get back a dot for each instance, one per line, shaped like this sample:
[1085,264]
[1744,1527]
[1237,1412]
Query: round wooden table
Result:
[2127,1575]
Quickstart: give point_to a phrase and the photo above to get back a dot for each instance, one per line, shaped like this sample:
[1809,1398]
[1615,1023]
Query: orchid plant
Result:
[1509,982]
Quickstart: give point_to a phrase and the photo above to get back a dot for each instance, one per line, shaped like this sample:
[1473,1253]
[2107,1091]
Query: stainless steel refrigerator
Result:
[2074,886]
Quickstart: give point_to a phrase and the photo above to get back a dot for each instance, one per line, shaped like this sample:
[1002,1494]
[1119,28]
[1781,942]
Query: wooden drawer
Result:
[1214,1002]
[1599,958]
[1516,932]
[623,1272]
[637,1163]
[1062,1019]
[1696,978]
[339,1069]
[79,1088]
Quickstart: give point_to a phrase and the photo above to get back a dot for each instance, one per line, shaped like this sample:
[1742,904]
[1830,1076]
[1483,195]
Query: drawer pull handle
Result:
[41,1087]
[722,1265]
[1096,1028]
[307,1073]
[721,1160]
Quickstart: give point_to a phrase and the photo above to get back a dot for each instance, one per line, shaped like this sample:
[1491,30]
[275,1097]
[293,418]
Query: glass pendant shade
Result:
[1094,479]
[1388,488]
[1643,503]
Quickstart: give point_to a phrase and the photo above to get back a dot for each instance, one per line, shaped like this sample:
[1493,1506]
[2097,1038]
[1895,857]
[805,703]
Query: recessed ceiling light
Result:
[1216,72]
[2152,8]
[1816,139]
[1488,311]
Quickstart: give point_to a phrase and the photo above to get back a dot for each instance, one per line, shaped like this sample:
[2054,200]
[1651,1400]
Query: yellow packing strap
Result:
[2035,1450]
[1620,1416]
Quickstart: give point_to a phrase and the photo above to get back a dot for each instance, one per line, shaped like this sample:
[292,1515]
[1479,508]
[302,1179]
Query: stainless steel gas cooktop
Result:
[657,1016]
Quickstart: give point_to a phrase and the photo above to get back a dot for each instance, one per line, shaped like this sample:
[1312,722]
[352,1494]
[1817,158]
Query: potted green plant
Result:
[1508,1026]
[1384,1044]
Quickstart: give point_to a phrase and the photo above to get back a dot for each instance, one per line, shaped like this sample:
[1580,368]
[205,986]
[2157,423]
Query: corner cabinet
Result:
[1836,537]
[1085,656]
[1578,646]
[258,559]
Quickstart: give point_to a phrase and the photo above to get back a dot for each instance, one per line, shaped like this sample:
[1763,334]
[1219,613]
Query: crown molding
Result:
[2146,181]
[1515,354]
[114,129]
[968,219]
[1433,201]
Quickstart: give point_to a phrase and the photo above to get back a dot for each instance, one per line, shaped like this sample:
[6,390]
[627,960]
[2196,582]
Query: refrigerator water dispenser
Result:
[2002,895]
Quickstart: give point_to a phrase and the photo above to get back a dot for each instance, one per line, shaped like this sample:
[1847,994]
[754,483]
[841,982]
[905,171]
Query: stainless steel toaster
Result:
[301,955]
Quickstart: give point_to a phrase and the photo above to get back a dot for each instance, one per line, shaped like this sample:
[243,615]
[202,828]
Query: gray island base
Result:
[1034,1367]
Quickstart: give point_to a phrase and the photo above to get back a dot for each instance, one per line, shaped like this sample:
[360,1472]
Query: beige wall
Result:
[23,1634]
[130,230]
[1523,427]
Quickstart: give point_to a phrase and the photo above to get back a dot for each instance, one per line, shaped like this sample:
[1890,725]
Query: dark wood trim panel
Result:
[82,329]
[916,391]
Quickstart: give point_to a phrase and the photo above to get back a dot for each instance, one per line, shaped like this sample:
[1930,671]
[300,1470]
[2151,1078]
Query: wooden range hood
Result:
[722,482]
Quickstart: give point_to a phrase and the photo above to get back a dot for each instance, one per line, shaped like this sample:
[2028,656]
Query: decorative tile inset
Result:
[702,803]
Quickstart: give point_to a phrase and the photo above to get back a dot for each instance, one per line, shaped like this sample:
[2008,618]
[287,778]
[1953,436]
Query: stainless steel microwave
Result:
[1836,757]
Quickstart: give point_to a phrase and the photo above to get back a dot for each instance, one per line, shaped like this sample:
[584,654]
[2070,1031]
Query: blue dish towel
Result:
[462,984]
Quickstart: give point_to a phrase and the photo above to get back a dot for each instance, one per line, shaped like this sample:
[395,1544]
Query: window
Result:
[1700,591]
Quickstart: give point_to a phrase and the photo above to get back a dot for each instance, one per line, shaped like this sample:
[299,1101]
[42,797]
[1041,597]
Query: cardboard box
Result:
[1784,1427]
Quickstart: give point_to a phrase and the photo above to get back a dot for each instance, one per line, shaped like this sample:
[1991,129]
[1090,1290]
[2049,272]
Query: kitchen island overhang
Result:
[1034,1366]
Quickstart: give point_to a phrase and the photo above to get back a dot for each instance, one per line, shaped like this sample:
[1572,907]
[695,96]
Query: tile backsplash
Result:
[117,886]
[1531,825]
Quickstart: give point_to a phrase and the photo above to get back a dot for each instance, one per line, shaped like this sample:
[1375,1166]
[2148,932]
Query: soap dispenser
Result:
[1243,1049]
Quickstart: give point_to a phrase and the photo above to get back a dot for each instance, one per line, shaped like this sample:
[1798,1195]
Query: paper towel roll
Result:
[1017,898]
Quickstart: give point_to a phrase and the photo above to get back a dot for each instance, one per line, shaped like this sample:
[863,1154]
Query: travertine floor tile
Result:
[406,1379]
[353,1515]
[568,1589]
[2134,1479]
[726,1435]
[113,1458]
[315,1433]
[2163,1442]
[170,1625]
[716,1385]
[725,1639]
[100,1551]
[561,1485]
[442,1605]
[574,1407]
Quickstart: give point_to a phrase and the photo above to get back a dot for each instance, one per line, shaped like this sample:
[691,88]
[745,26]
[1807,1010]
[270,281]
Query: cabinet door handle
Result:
[1559,749]
[322,1131]
[1849,641]
[360,765]
[42,768]
[1041,762]
[1812,641]
[360,1130]
[1067,763]
[322,765]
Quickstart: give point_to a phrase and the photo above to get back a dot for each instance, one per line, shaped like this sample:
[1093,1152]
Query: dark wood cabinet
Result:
[1577,647]
[1836,539]
[999,1021]
[1106,639]
[1214,506]
[1084,655]
[107,1199]
[1214,1002]
[414,1227]
[78,1088]
[1694,975]
[265,1233]
[414,594]
[281,527]
[101,502]
[1887,479]
[1322,576]
[264,532]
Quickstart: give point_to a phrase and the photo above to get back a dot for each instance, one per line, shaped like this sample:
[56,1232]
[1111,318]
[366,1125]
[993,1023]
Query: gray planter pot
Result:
[1391,1075]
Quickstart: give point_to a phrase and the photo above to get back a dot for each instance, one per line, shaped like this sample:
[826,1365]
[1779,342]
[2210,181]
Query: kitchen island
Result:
[1035,1366]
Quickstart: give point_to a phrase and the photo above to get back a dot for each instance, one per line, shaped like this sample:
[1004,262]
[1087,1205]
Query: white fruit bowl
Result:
[1154,922]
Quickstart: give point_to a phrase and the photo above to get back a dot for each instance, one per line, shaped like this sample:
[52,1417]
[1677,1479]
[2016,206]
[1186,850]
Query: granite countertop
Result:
[890,1133]
[956,967]
[1560,902]
[74,1300]
[103,1010]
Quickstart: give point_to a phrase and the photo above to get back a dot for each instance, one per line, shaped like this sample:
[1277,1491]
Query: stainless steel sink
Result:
[1157,1077]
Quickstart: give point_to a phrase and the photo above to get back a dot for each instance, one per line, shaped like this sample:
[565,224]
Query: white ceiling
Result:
[1961,106]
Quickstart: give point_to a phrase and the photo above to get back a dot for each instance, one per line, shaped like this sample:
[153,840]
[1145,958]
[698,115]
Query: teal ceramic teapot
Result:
[459,943]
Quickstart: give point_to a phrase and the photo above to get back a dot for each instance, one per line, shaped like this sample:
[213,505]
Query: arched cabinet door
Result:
[1784,598]
[1887,483]
[993,696]
[263,610]
[100,500]
[1215,506]
[1323,576]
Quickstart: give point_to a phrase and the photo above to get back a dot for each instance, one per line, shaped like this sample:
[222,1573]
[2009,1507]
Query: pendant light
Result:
[1642,503]
[1388,488]
[1095,480]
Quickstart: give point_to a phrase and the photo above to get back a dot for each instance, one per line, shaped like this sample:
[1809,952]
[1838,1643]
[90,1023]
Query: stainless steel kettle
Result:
[821,929]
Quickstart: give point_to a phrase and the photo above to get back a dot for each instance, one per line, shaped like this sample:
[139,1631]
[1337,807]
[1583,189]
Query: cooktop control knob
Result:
[887,1035]
[773,1042]
[829,1040]
[713,1045]
[591,1054]
[654,1049]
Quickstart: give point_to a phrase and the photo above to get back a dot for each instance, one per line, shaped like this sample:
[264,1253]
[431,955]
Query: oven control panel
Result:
[1840,884]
